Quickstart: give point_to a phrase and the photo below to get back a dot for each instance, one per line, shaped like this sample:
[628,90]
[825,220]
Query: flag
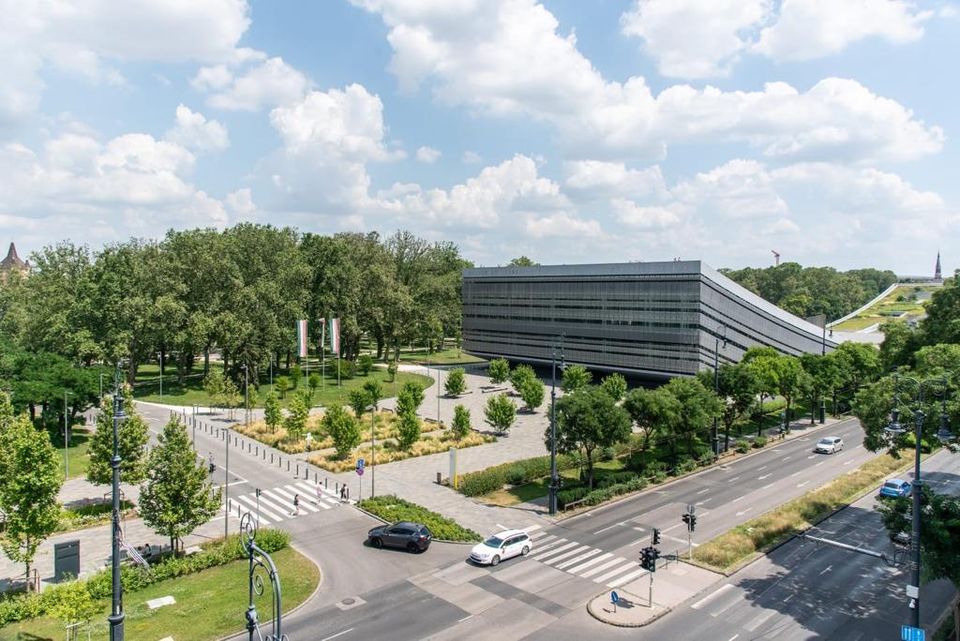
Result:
[302,338]
[335,336]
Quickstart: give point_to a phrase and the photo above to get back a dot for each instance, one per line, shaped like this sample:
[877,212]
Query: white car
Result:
[829,445]
[501,546]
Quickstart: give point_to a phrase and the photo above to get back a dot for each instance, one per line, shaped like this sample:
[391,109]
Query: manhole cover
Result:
[349,601]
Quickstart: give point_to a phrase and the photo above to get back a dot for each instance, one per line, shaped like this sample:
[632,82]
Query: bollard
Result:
[325,479]
[271,457]
[439,480]
[257,452]
[297,474]
[288,465]
[336,487]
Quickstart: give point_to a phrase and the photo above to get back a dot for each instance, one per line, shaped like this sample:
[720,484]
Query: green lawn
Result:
[539,488]
[78,454]
[192,392]
[210,605]
[451,356]
[888,304]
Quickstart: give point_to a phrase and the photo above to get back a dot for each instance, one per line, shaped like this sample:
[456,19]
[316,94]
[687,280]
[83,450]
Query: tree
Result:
[532,392]
[295,375]
[313,382]
[406,402]
[938,536]
[520,375]
[272,415]
[213,385]
[131,443]
[408,430]
[738,390]
[177,497]
[282,384]
[456,383]
[822,374]
[374,392]
[615,385]
[415,390]
[588,419]
[698,407]
[575,377]
[652,411]
[791,380]
[296,421]
[392,370]
[72,603]
[30,479]
[521,261]
[461,421]
[343,429]
[498,370]
[500,412]
[365,363]
[359,401]
[763,361]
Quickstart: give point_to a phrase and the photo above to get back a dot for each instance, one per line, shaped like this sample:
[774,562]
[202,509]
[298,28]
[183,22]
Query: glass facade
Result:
[647,319]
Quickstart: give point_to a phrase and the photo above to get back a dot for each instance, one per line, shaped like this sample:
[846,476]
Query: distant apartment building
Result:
[652,320]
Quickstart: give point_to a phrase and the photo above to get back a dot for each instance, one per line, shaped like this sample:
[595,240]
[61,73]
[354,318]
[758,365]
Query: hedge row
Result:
[135,578]
[601,494]
[514,473]
[391,508]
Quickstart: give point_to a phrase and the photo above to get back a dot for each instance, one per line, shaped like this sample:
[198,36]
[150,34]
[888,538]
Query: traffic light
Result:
[647,560]
[656,536]
[693,522]
[686,519]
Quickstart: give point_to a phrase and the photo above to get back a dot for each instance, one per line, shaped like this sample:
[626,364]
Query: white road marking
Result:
[673,538]
[593,561]
[767,485]
[722,588]
[733,637]
[699,503]
[672,527]
[739,498]
[802,484]
[543,545]
[603,578]
[795,474]
[464,618]
[577,559]
[565,555]
[765,476]
[626,578]
[744,512]
[541,554]
[610,527]
[703,491]
[733,479]
[252,502]
[811,456]
[502,527]
[819,464]
[849,462]
[759,620]
[785,458]
[294,492]
[529,529]
[339,634]
[603,566]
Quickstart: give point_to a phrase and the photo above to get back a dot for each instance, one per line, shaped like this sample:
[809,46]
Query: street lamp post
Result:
[246,395]
[116,613]
[938,386]
[554,477]
[160,358]
[716,390]
[66,437]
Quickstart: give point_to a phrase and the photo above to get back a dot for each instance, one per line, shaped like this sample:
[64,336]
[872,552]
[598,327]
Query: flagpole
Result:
[323,352]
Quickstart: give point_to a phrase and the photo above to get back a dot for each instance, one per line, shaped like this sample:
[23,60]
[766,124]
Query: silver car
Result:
[829,445]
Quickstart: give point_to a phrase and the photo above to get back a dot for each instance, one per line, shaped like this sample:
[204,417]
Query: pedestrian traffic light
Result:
[693,522]
[656,536]
[686,519]
[647,559]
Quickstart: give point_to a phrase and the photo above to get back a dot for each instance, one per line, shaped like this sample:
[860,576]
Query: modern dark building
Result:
[647,320]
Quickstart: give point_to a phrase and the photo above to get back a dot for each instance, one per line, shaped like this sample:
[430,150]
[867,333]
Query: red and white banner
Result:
[302,338]
[335,336]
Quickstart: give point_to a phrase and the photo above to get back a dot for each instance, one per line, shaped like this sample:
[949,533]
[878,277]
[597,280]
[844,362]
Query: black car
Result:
[413,537]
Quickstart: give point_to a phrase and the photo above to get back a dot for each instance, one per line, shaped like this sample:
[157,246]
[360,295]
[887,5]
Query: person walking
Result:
[319,493]
[343,492]
[296,505]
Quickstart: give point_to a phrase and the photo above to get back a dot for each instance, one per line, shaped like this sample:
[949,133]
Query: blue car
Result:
[895,488]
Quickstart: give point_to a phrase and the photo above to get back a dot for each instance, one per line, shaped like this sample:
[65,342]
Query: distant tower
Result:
[12,262]
[937,276]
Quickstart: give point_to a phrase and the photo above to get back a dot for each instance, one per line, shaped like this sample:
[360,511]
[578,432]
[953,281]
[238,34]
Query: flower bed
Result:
[387,451]
[393,509]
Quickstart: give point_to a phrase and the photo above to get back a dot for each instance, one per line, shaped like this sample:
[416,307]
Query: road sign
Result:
[910,633]
[359,467]
[614,597]
[691,508]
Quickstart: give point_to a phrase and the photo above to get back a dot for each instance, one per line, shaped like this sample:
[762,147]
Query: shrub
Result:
[685,466]
[456,383]
[461,421]
[759,442]
[741,445]
[705,459]
[393,509]
[608,453]
[365,363]
[500,412]
[565,497]
[615,478]
[498,370]
[514,473]
[601,495]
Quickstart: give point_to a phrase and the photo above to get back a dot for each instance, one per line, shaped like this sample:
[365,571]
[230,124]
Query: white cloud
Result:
[271,82]
[240,202]
[469,52]
[562,225]
[471,158]
[739,189]
[807,29]
[193,131]
[695,38]
[81,37]
[600,178]
[428,154]
[644,217]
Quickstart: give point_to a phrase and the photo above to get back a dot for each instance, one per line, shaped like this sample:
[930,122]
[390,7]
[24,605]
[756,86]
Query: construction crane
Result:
[776,257]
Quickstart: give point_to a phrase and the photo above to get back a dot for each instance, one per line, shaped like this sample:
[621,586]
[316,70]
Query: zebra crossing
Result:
[276,504]
[584,561]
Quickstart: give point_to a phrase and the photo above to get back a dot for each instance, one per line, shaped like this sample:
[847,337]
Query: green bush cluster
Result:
[514,473]
[391,508]
[741,445]
[760,441]
[599,495]
[135,577]
[685,466]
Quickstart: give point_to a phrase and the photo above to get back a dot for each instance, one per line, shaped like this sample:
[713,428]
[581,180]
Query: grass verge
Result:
[77,518]
[209,604]
[78,454]
[763,533]
[393,509]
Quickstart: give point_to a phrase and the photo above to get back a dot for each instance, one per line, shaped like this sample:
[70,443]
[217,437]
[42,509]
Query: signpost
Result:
[910,633]
[614,599]
[360,465]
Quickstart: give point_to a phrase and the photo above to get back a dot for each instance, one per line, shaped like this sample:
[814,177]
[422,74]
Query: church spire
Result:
[936,272]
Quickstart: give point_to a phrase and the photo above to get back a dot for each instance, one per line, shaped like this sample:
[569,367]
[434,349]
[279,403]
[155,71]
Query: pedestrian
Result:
[319,493]
[343,492]
[296,505]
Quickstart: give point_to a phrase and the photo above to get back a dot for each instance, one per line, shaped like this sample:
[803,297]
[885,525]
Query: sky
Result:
[563,130]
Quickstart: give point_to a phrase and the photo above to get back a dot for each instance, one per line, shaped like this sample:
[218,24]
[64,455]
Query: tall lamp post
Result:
[246,395]
[554,477]
[716,390]
[116,612]
[917,392]
[160,358]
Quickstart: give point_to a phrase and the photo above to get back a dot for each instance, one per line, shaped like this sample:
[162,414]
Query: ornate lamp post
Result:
[554,477]
[916,393]
[116,613]
[260,561]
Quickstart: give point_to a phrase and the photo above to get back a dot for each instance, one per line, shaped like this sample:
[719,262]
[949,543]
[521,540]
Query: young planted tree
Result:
[30,479]
[272,414]
[461,421]
[821,376]
[408,430]
[295,375]
[374,392]
[132,443]
[532,392]
[698,407]
[520,375]
[213,386]
[343,429]
[456,383]
[365,363]
[575,377]
[415,391]
[791,381]
[498,370]
[615,385]
[72,604]
[177,497]
[588,419]
[500,412]
[296,421]
[392,370]
[359,401]
[282,385]
[738,392]
[763,361]
[314,383]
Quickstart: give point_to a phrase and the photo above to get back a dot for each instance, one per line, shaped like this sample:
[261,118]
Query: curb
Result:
[657,486]
[665,611]
[384,521]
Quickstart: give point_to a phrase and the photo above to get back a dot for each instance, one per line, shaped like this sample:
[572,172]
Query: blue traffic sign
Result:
[614,597]
[910,633]
[360,467]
